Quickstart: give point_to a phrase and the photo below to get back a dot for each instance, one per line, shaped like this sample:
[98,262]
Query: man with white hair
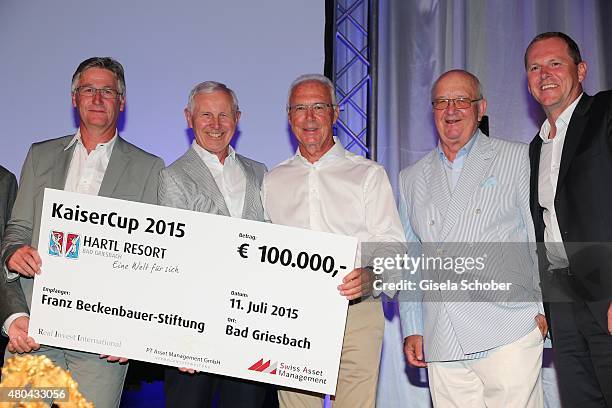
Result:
[212,178]
[468,199]
[324,187]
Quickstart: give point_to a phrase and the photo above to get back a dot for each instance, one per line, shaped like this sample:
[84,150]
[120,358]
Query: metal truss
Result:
[355,73]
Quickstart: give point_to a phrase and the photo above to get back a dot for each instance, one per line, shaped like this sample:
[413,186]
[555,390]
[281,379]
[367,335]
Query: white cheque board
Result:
[223,295]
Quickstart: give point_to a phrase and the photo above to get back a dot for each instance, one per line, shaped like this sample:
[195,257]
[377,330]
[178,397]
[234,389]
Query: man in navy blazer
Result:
[571,163]
[469,199]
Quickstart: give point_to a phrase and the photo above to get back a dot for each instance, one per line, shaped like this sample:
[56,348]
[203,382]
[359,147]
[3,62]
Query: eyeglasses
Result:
[105,93]
[460,103]
[318,109]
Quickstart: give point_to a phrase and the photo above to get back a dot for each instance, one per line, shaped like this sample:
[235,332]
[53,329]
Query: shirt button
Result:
[477,211]
[431,222]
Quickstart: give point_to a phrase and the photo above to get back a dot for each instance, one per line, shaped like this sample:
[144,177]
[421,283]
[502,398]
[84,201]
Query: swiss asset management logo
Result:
[264,366]
[61,244]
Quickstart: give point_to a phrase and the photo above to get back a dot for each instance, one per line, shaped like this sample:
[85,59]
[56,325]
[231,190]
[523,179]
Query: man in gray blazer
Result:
[94,161]
[481,348]
[8,191]
[212,178]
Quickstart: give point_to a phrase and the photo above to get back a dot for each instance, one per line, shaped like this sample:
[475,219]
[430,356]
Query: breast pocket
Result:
[586,161]
[202,203]
[128,191]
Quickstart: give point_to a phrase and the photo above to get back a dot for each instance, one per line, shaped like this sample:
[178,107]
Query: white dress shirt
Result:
[229,177]
[550,161]
[87,170]
[341,193]
[84,176]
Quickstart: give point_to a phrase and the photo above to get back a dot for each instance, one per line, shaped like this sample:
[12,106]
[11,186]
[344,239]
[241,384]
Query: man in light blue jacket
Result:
[474,319]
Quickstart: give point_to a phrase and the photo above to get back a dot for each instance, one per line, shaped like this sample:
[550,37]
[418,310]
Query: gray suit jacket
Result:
[188,184]
[132,174]
[490,204]
[8,191]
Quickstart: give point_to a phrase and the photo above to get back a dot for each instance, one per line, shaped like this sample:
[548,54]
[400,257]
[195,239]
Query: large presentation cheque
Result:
[218,294]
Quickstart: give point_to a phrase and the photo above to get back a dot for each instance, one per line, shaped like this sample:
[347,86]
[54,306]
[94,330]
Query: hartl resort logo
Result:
[61,244]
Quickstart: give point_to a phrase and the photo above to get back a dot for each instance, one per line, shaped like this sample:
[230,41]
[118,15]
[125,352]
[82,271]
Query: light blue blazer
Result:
[490,204]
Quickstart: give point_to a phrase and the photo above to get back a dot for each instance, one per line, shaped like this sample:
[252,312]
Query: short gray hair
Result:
[322,79]
[208,87]
[473,77]
[100,62]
